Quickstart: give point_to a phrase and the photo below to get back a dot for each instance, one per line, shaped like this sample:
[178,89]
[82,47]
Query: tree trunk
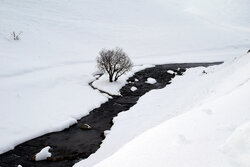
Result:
[116,78]
[110,78]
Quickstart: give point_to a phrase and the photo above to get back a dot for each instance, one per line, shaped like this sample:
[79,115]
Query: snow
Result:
[43,154]
[151,81]
[170,71]
[106,132]
[113,88]
[176,126]
[237,146]
[133,88]
[44,76]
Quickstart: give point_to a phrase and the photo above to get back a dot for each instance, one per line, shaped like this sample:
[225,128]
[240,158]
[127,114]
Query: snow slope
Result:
[63,31]
[44,76]
[212,132]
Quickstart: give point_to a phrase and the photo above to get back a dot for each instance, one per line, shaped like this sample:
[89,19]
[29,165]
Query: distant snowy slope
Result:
[229,12]
[62,31]
[223,12]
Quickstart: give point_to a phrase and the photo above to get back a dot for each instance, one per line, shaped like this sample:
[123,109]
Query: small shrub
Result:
[16,36]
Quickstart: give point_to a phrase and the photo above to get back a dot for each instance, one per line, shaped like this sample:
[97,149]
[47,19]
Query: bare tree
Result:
[115,62]
[16,36]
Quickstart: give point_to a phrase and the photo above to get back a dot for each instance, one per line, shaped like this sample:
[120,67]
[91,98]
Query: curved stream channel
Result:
[76,142]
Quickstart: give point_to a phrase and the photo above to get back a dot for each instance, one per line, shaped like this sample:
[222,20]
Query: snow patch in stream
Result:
[151,81]
[43,154]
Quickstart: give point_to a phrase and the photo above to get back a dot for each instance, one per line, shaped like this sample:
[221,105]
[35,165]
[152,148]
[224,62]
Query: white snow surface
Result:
[170,71]
[44,76]
[133,88]
[150,81]
[204,125]
[237,146]
[43,154]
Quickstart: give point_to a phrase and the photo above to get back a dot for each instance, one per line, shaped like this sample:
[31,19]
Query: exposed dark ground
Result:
[74,143]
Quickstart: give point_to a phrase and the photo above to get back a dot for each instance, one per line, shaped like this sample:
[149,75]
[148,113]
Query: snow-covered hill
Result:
[44,76]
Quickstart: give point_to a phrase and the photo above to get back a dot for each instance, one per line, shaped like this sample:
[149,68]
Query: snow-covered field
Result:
[44,76]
